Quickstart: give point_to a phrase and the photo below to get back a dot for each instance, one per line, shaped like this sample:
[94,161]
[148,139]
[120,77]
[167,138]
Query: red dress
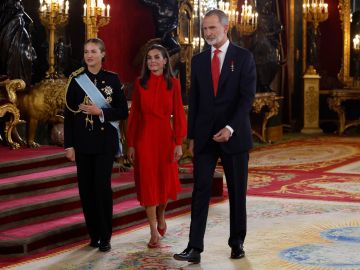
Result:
[154,136]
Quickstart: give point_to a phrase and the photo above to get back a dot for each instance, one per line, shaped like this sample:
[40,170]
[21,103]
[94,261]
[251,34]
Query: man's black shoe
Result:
[94,243]
[189,254]
[104,247]
[237,252]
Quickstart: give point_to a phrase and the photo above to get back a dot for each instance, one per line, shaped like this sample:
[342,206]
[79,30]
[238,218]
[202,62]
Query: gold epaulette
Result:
[72,75]
[77,72]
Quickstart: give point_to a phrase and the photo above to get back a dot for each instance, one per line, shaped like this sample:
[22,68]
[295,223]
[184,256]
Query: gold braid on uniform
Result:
[74,74]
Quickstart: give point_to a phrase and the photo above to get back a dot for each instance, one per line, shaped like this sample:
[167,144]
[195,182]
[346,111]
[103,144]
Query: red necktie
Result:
[215,70]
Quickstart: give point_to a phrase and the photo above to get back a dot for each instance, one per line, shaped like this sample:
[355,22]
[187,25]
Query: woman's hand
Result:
[90,109]
[177,152]
[70,154]
[131,154]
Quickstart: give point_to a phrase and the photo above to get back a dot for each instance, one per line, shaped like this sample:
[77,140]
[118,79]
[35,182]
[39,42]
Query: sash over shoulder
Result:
[93,93]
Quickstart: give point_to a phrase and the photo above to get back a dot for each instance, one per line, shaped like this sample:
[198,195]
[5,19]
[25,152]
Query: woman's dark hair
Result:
[99,43]
[145,72]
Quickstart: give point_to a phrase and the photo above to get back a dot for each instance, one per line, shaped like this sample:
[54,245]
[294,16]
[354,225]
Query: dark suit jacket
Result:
[232,104]
[102,138]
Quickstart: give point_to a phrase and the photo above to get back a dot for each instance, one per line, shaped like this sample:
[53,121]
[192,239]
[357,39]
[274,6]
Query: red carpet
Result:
[7,155]
[305,168]
[40,208]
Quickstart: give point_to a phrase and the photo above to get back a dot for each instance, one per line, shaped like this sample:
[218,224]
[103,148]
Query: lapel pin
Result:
[232,67]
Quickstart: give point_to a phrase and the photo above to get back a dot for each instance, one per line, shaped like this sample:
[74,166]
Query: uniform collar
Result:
[92,75]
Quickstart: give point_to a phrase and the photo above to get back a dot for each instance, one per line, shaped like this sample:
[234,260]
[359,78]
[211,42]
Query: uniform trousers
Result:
[94,180]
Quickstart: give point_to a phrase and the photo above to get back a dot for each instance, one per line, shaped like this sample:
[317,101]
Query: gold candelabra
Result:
[53,13]
[248,19]
[96,15]
[230,11]
[315,11]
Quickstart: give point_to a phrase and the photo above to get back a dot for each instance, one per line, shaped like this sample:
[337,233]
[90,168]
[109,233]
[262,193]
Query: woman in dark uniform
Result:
[95,103]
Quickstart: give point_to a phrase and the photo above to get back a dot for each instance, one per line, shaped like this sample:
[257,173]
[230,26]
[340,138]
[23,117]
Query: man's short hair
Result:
[223,18]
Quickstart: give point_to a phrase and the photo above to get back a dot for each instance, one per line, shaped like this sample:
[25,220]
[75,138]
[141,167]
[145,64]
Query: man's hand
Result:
[222,136]
[70,154]
[191,147]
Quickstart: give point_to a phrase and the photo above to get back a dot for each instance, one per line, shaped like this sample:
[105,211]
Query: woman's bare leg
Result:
[161,215]
[151,215]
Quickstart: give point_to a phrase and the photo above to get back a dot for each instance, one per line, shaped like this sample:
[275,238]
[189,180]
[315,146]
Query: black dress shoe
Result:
[104,246]
[237,252]
[189,254]
[94,243]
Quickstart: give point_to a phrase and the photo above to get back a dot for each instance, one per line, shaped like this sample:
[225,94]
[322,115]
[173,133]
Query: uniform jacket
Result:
[100,137]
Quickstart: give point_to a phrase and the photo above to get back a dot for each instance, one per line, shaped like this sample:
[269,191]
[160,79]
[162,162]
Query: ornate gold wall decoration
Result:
[344,11]
[185,36]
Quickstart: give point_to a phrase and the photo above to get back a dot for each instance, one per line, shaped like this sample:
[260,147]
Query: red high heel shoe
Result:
[163,230]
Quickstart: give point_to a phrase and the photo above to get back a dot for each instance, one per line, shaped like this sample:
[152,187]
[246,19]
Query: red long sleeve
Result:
[178,114]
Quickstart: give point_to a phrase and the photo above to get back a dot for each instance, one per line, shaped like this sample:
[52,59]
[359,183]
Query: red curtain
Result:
[331,43]
[130,27]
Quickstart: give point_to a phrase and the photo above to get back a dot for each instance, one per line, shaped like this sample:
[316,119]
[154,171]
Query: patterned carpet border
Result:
[282,235]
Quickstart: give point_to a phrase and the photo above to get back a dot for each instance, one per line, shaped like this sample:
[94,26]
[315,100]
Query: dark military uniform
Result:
[95,144]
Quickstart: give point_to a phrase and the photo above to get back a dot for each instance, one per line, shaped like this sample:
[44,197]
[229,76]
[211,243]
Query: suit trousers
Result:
[236,173]
[94,180]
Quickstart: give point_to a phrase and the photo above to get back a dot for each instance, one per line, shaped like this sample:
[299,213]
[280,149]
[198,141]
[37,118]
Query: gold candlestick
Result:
[96,15]
[315,12]
[53,13]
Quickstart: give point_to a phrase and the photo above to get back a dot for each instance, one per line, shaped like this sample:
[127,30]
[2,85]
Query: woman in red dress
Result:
[156,129]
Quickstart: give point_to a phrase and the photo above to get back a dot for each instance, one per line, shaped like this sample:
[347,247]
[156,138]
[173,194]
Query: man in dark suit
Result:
[223,83]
